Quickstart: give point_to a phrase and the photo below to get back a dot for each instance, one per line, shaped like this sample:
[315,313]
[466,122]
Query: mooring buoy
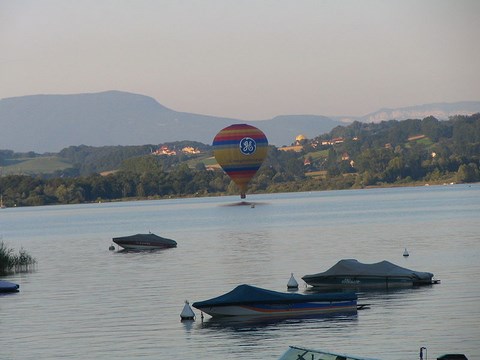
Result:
[187,312]
[292,283]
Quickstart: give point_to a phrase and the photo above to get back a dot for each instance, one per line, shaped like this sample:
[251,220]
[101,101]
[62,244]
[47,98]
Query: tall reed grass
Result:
[10,262]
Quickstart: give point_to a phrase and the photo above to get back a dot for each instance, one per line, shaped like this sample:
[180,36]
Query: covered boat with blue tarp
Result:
[247,300]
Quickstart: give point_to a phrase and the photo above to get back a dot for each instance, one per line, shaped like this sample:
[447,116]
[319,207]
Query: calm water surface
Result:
[86,302]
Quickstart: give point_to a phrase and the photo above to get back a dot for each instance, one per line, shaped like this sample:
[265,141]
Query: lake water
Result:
[86,302]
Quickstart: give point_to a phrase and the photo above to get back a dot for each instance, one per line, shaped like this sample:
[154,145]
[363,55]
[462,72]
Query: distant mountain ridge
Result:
[441,111]
[49,123]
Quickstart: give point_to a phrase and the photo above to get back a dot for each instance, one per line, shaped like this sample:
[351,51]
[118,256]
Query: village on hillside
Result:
[297,146]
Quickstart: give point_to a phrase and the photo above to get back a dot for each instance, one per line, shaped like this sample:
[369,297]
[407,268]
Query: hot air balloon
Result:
[240,150]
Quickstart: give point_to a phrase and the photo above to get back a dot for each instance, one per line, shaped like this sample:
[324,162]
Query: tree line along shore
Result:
[359,155]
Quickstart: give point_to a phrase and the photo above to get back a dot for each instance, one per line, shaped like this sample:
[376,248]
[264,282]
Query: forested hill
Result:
[401,151]
[359,155]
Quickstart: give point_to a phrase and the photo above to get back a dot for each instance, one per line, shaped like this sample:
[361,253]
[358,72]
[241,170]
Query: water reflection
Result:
[255,323]
[188,325]
[374,297]
[397,293]
[374,291]
[245,203]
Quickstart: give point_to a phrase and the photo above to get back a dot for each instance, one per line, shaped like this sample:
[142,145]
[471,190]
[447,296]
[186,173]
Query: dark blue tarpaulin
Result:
[247,294]
[6,286]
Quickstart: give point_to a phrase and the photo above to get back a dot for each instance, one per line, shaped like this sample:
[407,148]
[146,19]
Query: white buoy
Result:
[187,312]
[405,253]
[292,283]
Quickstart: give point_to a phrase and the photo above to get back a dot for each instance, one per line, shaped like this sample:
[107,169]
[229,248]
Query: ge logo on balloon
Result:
[247,146]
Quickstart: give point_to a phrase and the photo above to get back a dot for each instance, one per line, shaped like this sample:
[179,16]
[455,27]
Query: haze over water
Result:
[84,301]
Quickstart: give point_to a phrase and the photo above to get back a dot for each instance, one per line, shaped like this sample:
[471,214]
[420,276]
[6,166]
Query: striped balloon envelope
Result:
[240,150]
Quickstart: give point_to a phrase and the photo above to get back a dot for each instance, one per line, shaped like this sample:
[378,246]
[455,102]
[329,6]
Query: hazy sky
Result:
[246,59]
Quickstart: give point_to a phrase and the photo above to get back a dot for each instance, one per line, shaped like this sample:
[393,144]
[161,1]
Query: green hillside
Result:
[34,165]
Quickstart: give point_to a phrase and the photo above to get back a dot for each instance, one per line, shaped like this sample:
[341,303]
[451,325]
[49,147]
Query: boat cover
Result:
[146,237]
[7,286]
[247,294]
[352,267]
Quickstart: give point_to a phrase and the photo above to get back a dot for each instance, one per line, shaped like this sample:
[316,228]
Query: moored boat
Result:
[7,286]
[247,300]
[295,353]
[144,242]
[350,273]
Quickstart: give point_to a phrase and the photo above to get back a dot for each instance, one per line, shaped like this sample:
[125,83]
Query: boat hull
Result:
[345,282]
[294,309]
[141,246]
